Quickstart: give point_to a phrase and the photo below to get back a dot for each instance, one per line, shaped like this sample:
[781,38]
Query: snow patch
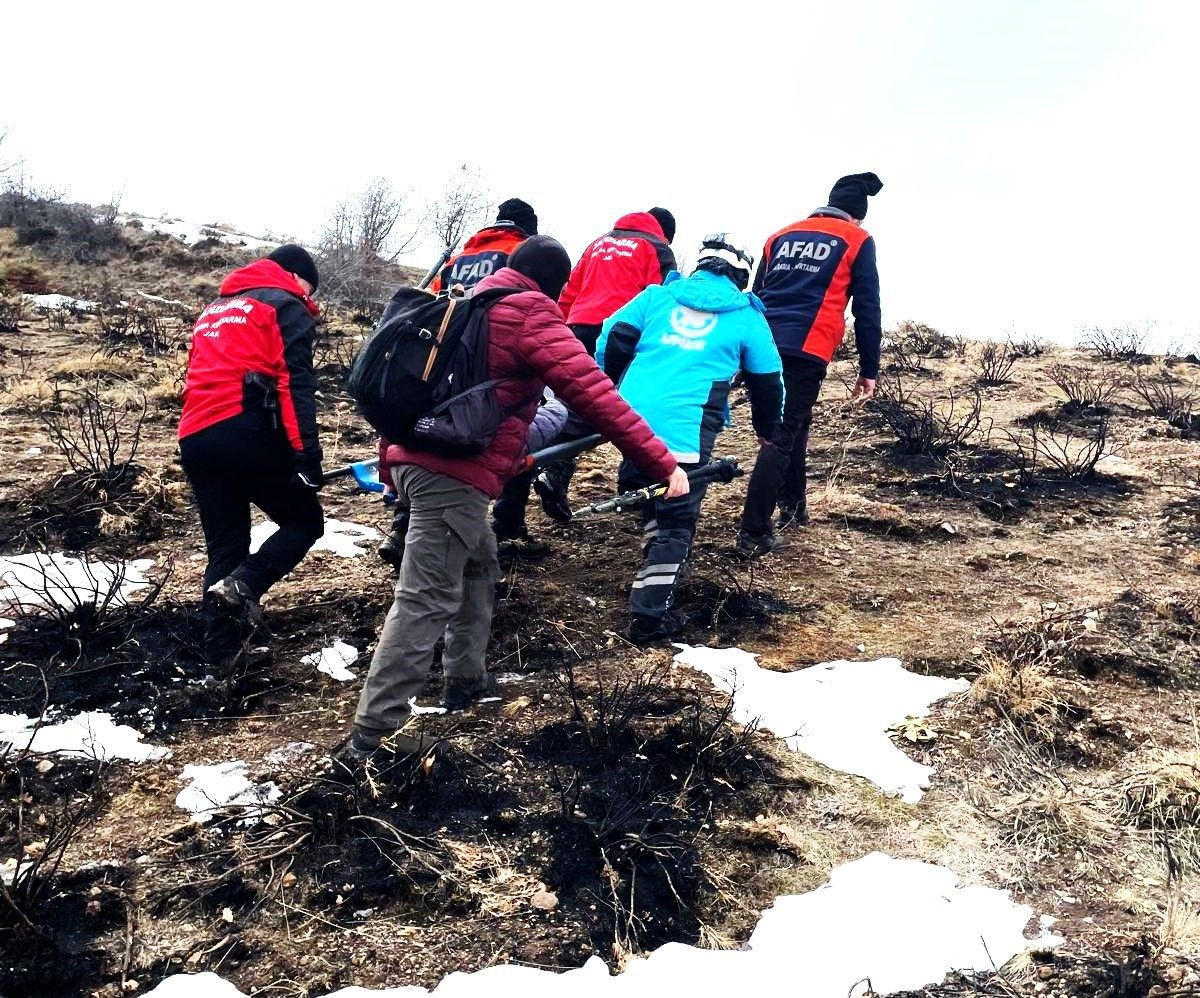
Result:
[42,580]
[53,303]
[289,754]
[838,712]
[333,661]
[340,537]
[900,922]
[158,299]
[191,232]
[220,786]
[90,735]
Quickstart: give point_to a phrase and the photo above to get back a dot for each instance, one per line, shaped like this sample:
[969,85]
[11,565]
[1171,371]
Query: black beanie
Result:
[295,260]
[544,259]
[666,222]
[520,213]
[851,193]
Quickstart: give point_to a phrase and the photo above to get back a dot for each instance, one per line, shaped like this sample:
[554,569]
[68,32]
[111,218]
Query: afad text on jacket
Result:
[484,254]
[262,324]
[808,274]
[616,267]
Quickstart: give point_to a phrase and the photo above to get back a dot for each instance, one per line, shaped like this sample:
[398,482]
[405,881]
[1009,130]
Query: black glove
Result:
[308,470]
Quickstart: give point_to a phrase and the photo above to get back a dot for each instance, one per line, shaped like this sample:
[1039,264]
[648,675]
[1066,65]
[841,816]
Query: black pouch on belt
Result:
[259,392]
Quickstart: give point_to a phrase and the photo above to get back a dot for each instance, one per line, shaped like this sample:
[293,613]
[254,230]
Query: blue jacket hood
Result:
[709,292]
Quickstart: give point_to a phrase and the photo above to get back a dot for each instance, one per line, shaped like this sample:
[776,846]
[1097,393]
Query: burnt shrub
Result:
[1085,387]
[995,364]
[925,425]
[59,229]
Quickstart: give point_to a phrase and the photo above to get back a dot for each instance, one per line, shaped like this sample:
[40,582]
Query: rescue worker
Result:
[447,584]
[489,249]
[484,253]
[674,352]
[248,435]
[809,271]
[635,254]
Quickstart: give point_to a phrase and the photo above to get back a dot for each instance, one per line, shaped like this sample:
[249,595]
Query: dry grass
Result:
[1163,799]
[1045,818]
[1179,928]
[27,393]
[1054,818]
[167,384]
[1024,692]
[96,365]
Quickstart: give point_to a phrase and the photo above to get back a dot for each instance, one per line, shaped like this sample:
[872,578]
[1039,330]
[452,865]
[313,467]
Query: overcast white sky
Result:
[1036,154]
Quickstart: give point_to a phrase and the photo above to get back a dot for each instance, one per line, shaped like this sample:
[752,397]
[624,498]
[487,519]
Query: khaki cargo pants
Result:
[447,586]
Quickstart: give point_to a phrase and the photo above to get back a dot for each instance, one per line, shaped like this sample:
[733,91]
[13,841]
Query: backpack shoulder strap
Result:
[493,295]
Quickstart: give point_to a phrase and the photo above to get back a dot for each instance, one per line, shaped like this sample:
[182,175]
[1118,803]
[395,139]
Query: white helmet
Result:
[736,263]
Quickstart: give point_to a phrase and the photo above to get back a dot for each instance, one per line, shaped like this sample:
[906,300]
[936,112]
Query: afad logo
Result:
[691,324]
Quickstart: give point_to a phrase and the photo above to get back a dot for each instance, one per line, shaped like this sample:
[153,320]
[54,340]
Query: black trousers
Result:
[668,526]
[241,461]
[588,334]
[781,470]
[508,511]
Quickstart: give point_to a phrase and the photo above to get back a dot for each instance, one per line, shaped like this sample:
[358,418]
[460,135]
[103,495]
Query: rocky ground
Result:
[1036,535]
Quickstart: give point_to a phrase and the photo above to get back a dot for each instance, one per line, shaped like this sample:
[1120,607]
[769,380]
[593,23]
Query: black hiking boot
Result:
[644,629]
[392,548]
[551,487]
[459,694]
[235,597]
[751,546]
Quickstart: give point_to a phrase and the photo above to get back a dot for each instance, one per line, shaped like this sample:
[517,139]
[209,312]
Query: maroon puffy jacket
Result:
[262,323]
[529,347]
[615,268]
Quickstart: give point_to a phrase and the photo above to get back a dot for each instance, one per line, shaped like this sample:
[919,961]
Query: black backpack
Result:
[421,379]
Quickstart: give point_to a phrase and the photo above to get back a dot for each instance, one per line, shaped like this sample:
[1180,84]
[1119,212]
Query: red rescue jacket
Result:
[263,324]
[808,273]
[529,347]
[484,253]
[615,268]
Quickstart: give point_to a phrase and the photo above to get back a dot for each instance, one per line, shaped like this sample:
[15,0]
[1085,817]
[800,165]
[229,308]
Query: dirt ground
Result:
[607,804]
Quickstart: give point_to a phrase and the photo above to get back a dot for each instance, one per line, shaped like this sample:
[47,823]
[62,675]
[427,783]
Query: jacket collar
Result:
[828,211]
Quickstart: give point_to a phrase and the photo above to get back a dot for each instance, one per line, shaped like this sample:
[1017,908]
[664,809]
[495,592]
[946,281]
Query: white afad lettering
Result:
[804,249]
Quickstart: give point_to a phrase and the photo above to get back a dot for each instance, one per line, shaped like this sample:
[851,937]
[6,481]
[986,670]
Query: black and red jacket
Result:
[809,272]
[615,268]
[484,254]
[262,324]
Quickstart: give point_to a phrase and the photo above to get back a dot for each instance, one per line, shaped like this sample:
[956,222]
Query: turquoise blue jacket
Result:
[674,351]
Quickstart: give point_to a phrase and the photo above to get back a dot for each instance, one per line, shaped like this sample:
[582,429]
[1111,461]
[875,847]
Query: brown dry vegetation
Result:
[610,777]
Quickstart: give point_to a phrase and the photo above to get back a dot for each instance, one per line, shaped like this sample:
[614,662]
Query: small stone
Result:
[44,766]
[544,900]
